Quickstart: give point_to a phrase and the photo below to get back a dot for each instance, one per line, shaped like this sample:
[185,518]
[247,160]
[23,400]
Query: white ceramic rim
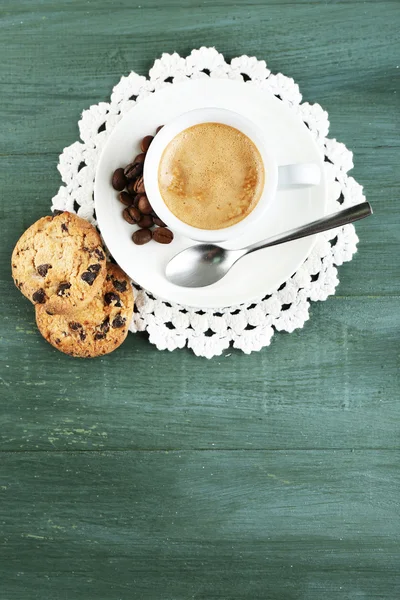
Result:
[261,272]
[176,126]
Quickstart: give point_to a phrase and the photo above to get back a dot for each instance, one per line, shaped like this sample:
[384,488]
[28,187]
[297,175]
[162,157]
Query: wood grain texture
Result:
[282,525]
[338,389]
[161,476]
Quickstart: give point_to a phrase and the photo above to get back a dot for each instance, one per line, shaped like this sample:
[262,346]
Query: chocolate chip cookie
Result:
[59,262]
[97,329]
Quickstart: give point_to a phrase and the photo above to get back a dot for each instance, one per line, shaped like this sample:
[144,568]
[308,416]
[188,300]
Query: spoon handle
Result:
[343,217]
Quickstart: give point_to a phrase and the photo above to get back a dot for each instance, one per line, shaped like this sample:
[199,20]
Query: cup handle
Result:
[299,175]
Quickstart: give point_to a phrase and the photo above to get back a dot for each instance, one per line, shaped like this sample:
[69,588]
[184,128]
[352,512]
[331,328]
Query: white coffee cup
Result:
[296,175]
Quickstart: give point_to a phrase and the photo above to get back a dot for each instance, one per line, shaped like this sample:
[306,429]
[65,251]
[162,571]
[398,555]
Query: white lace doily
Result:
[248,327]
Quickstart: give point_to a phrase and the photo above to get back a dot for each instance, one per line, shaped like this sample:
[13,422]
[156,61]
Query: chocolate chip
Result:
[162,235]
[78,327]
[145,222]
[42,269]
[157,221]
[120,286]
[88,277]
[39,296]
[159,128]
[145,143]
[139,185]
[118,322]
[105,326]
[118,180]
[100,255]
[111,297]
[99,336]
[144,205]
[142,236]
[57,212]
[125,198]
[94,268]
[65,285]
[64,227]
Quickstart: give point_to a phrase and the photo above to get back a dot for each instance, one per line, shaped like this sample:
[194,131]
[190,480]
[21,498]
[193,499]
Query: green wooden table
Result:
[150,475]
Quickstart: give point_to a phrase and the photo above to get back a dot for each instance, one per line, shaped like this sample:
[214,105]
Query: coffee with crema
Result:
[211,176]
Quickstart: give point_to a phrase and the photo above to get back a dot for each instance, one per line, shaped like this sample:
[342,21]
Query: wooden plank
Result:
[334,384]
[25,6]
[204,525]
[79,53]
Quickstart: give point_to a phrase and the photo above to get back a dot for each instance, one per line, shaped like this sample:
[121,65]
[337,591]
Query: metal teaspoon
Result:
[205,264]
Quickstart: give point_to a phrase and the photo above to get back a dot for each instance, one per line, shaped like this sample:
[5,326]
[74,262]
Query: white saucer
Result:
[259,273]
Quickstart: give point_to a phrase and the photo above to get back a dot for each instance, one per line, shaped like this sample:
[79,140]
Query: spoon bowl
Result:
[201,265]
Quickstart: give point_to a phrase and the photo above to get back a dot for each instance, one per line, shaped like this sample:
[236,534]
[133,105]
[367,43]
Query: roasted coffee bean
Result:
[162,235]
[157,221]
[139,186]
[63,287]
[136,200]
[135,168]
[144,205]
[159,128]
[127,217]
[140,157]
[134,213]
[118,180]
[125,198]
[142,236]
[145,222]
[145,144]
[39,296]
[129,187]
[42,269]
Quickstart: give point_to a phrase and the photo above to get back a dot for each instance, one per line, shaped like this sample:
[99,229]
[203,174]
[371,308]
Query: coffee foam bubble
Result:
[211,176]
